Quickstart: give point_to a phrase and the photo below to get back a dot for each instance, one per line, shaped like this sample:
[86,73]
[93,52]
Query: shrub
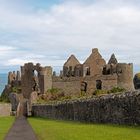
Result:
[99,92]
[52,95]
[53,90]
[116,89]
[138,75]
[83,93]
[113,90]
[4,98]
[16,89]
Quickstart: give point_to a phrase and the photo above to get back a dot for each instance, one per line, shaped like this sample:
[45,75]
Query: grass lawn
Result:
[5,124]
[65,130]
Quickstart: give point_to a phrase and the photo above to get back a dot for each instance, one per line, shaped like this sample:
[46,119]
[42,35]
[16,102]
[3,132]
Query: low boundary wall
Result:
[121,108]
[5,109]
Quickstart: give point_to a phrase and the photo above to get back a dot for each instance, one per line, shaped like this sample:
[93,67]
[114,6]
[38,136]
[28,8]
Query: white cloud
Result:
[49,36]
[6,48]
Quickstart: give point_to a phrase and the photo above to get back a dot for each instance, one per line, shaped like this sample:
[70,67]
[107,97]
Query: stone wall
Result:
[113,108]
[108,82]
[125,76]
[71,85]
[5,109]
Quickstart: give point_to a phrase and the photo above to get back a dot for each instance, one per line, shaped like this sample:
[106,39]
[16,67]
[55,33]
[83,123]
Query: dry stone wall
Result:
[121,108]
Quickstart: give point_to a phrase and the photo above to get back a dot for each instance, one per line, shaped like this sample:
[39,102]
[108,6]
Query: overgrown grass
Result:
[113,90]
[5,124]
[65,130]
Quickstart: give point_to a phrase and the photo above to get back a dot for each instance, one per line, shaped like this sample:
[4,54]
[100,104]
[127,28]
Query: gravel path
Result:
[21,130]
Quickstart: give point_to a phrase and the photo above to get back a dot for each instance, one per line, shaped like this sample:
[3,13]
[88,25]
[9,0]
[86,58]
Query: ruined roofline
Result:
[113,59]
[94,53]
[70,59]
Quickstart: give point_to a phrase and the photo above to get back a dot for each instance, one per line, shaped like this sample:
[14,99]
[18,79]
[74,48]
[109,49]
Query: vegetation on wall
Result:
[4,98]
[55,94]
[16,89]
[5,95]
[113,90]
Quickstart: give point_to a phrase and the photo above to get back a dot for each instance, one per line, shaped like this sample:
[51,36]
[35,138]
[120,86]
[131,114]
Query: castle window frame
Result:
[99,84]
[87,71]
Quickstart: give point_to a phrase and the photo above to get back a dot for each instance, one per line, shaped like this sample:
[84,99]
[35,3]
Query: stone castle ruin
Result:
[35,78]
[93,74]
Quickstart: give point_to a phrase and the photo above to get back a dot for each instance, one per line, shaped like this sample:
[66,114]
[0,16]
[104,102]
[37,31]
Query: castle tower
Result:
[10,77]
[45,79]
[27,79]
[125,76]
[18,78]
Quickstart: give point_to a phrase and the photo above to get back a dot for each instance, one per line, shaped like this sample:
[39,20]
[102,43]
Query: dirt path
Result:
[21,130]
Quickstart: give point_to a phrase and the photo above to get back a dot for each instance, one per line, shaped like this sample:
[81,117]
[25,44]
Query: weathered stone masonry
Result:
[112,108]
[5,109]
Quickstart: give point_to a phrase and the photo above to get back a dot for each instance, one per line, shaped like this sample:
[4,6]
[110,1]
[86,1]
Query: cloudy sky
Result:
[48,31]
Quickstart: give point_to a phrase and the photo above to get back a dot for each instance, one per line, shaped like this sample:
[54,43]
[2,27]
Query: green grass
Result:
[65,130]
[5,124]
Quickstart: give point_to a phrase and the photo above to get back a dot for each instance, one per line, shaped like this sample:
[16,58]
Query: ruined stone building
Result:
[14,78]
[35,78]
[93,74]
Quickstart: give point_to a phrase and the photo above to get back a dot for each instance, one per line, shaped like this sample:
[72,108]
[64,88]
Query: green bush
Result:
[4,98]
[16,89]
[113,90]
[117,89]
[83,93]
[99,92]
[53,90]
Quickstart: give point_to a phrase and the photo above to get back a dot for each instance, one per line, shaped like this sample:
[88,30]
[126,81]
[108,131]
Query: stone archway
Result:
[36,81]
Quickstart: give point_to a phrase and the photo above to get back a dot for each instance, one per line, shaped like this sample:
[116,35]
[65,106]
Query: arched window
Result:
[35,73]
[35,79]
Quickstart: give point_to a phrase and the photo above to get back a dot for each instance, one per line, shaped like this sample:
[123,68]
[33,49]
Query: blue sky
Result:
[48,31]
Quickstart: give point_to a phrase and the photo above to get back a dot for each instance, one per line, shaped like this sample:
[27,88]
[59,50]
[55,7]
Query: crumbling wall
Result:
[71,86]
[125,76]
[5,109]
[108,82]
[94,64]
[31,82]
[14,78]
[121,108]
[45,79]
